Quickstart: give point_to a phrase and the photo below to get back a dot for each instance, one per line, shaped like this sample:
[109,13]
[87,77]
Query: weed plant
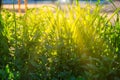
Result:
[55,44]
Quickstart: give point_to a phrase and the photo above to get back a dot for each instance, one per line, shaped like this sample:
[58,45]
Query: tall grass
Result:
[5,57]
[72,44]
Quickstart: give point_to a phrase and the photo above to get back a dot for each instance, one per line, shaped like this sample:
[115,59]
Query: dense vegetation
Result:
[55,44]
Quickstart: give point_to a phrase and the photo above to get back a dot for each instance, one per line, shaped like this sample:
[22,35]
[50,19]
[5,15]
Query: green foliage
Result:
[71,44]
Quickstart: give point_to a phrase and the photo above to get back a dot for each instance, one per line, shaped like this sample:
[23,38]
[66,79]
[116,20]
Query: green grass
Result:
[53,44]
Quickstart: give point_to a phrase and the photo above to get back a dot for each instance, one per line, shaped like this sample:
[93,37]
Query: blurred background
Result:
[8,4]
[48,1]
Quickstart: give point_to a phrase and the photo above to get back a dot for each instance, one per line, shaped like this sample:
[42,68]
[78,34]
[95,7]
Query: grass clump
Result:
[72,44]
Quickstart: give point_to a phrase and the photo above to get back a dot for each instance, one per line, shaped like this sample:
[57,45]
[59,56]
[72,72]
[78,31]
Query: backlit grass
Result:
[50,43]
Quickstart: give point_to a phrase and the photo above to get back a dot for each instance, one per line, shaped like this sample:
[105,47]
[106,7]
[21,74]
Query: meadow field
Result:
[51,43]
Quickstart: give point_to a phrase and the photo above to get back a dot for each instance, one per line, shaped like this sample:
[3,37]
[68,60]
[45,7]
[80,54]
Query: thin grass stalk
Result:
[77,2]
[15,28]
[116,12]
